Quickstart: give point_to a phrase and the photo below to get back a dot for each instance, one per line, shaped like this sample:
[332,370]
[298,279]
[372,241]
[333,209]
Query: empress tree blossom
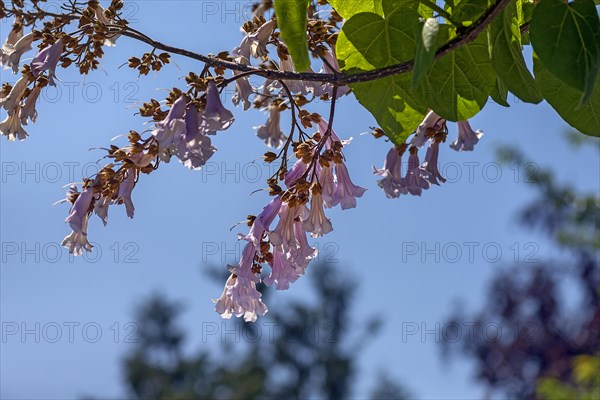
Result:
[240,296]
[195,147]
[271,132]
[328,184]
[317,222]
[215,117]
[298,169]
[392,184]
[346,192]
[78,218]
[255,44]
[284,233]
[417,178]
[125,189]
[12,101]
[467,138]
[10,55]
[101,207]
[243,88]
[303,87]
[13,37]
[431,162]
[168,131]
[282,270]
[303,253]
[28,111]
[12,128]
[47,60]
[431,121]
[262,222]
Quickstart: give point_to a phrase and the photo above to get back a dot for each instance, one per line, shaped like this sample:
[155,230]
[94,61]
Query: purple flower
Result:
[11,53]
[323,125]
[101,208]
[284,234]
[346,192]
[262,222]
[271,132]
[392,184]
[80,210]
[328,184]
[255,44]
[215,117]
[12,102]
[303,252]
[76,242]
[243,88]
[282,271]
[298,169]
[168,131]
[416,178]
[28,111]
[240,296]
[431,121]
[11,126]
[47,59]
[431,162]
[317,222]
[125,189]
[194,147]
[467,138]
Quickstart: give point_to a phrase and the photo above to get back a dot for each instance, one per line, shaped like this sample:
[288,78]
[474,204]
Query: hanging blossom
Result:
[271,132]
[47,60]
[215,117]
[78,218]
[467,138]
[392,184]
[285,248]
[417,178]
[431,123]
[240,296]
[431,159]
[345,191]
[254,45]
[195,147]
[11,52]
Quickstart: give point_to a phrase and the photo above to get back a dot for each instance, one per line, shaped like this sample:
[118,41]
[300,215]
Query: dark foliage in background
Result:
[533,298]
[320,362]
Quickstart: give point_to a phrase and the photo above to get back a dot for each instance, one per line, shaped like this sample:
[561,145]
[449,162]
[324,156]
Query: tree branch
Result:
[469,34]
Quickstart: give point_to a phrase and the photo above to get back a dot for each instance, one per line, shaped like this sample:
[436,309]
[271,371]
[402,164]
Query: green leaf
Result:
[565,99]
[348,8]
[466,10]
[292,19]
[500,93]
[507,56]
[458,84]
[426,39]
[366,42]
[566,39]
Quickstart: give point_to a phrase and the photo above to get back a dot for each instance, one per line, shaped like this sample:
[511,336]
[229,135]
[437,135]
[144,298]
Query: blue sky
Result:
[183,219]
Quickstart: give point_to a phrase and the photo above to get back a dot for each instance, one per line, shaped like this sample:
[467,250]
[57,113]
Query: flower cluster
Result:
[318,180]
[20,100]
[184,126]
[421,176]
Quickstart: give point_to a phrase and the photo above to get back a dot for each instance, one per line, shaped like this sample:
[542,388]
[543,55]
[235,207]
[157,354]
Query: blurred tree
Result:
[529,299]
[319,362]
